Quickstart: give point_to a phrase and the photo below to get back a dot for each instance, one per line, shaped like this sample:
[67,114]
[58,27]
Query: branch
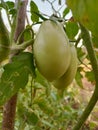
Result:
[90,49]
[20,19]
[89,46]
[14,23]
[22,46]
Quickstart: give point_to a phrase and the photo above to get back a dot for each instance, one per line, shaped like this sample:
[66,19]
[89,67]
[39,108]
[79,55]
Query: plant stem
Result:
[10,106]
[9,114]
[14,23]
[89,46]
[87,111]
[22,46]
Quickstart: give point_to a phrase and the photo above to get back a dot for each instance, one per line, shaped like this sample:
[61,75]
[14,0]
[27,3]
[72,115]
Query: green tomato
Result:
[69,75]
[4,41]
[52,50]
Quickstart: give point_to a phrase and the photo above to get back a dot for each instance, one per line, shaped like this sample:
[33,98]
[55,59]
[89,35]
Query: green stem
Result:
[87,111]
[19,47]
[22,46]
[14,23]
[89,46]
[13,28]
[22,33]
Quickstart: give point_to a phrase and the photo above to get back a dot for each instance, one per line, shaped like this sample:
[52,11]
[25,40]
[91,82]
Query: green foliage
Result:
[15,75]
[90,76]
[34,10]
[81,54]
[65,12]
[95,39]
[72,29]
[86,13]
[28,33]
[47,111]
[9,7]
[79,78]
[28,115]
[40,79]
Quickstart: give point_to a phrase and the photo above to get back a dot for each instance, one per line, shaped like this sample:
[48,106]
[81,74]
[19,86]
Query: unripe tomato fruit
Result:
[51,50]
[69,75]
[4,41]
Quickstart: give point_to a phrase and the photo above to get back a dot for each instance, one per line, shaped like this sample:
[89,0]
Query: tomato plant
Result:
[63,52]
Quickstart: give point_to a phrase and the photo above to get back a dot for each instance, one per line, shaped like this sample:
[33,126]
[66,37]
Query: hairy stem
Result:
[10,106]
[22,46]
[89,46]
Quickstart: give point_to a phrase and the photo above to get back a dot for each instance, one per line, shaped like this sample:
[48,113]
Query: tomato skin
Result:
[69,75]
[51,50]
[4,41]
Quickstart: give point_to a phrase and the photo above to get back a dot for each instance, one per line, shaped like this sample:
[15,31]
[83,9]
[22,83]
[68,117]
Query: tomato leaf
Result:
[40,16]
[95,41]
[85,12]
[90,76]
[31,117]
[65,12]
[78,78]
[15,75]
[44,105]
[34,8]
[4,5]
[10,4]
[81,54]
[28,33]
[72,29]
